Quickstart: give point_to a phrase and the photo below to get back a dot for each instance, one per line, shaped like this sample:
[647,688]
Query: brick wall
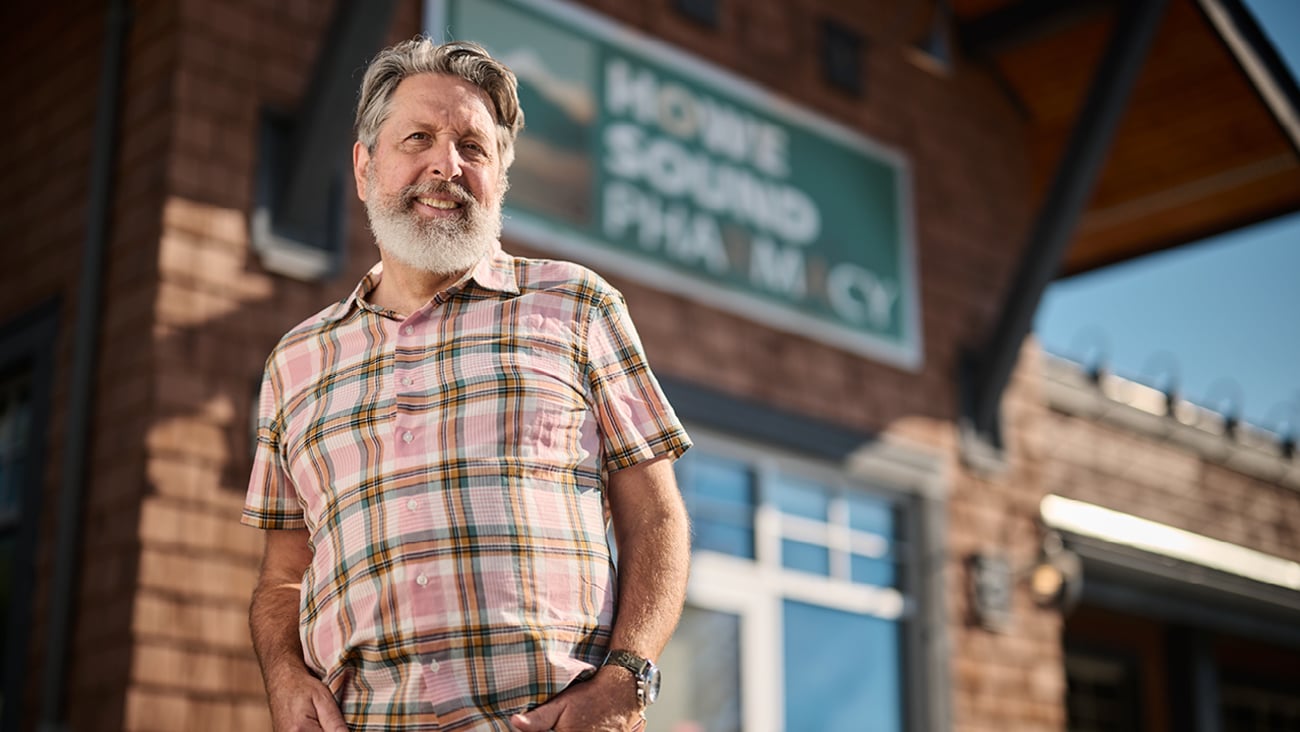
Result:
[161,641]
[190,314]
[47,159]
[1154,479]
[217,315]
[1013,679]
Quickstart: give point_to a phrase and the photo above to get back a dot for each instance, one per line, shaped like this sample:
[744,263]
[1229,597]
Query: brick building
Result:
[868,521]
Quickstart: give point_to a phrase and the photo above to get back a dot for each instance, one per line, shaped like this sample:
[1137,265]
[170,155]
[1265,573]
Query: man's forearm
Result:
[654,562]
[273,621]
[298,700]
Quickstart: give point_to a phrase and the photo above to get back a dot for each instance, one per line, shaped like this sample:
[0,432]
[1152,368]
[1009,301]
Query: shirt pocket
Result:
[525,400]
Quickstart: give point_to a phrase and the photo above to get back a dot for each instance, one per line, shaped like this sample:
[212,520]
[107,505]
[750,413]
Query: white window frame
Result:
[755,589]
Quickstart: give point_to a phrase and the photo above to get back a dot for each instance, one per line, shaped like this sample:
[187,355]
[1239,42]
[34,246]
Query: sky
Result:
[1219,320]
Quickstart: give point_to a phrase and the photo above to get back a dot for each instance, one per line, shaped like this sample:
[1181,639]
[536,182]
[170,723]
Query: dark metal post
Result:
[1056,223]
[80,399]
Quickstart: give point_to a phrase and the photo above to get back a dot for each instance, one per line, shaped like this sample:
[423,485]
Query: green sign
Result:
[648,164]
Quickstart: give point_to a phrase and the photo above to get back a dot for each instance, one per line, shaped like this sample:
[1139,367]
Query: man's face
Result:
[434,182]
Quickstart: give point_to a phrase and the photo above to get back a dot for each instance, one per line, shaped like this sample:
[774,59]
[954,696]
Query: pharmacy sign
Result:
[646,163]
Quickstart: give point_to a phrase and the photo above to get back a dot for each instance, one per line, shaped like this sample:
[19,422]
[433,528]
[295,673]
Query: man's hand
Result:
[650,526]
[606,703]
[301,703]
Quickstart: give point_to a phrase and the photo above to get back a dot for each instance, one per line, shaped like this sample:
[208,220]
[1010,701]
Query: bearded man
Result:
[438,454]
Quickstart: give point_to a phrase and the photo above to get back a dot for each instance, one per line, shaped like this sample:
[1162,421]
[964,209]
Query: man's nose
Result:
[444,161]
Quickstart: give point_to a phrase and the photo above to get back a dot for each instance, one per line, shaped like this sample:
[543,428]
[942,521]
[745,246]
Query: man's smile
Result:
[438,203]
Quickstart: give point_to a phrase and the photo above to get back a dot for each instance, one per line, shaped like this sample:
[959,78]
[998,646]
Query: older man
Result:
[438,454]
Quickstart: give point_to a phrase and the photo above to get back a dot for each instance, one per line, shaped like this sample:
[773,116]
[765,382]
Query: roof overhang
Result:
[1210,140]
[1150,124]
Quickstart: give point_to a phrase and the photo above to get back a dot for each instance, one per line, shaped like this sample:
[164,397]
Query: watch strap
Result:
[638,665]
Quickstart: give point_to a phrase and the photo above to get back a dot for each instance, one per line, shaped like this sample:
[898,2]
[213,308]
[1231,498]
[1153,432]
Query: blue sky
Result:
[1220,317]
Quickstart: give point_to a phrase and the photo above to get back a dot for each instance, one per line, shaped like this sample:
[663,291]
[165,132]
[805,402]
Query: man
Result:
[437,452]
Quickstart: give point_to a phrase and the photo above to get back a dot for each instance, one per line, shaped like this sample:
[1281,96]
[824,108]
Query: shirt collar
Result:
[495,271]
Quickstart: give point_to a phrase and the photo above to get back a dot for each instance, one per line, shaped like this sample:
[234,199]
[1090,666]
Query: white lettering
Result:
[674,109]
[777,269]
[669,167]
[686,235]
[629,92]
[622,150]
[857,295]
[677,111]
[674,171]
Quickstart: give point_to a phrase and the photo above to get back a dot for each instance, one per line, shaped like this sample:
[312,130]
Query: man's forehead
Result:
[424,93]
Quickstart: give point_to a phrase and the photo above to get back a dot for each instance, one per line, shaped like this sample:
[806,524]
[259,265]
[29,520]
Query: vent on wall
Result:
[841,57]
[704,12]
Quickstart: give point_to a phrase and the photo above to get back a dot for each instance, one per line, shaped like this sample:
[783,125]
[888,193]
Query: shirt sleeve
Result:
[635,420]
[272,502]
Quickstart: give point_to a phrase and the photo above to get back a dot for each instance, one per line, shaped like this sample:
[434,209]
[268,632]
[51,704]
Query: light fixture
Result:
[1057,579]
[990,590]
[934,52]
[1054,580]
[1225,397]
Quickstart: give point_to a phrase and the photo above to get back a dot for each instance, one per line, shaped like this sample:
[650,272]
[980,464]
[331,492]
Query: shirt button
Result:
[422,580]
[407,437]
[412,504]
[407,381]
[433,665]
[408,330]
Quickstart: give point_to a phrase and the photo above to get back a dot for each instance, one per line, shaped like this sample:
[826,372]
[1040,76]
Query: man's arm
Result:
[299,701]
[652,531]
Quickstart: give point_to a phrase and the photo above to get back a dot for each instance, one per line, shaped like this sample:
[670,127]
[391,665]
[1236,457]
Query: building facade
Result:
[1110,561]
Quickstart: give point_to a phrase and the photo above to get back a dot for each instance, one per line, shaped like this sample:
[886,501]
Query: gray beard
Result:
[439,246]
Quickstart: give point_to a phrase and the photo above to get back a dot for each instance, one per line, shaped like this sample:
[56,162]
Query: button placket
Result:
[407,428]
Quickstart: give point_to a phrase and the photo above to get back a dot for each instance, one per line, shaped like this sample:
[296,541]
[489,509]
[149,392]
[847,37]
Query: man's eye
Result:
[418,136]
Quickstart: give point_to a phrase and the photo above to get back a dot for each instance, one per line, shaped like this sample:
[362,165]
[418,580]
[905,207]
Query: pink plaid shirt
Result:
[449,468]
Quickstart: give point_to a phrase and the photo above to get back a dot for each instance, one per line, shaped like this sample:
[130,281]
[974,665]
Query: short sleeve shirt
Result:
[449,468]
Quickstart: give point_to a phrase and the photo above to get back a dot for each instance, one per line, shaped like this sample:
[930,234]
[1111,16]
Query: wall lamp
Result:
[1054,580]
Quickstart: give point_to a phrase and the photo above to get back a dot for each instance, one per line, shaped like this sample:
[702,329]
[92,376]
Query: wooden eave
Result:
[1209,142]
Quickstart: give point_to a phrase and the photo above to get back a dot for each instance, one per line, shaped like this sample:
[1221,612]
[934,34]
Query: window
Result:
[15,428]
[841,57]
[704,12]
[26,352]
[1255,705]
[1101,691]
[798,608]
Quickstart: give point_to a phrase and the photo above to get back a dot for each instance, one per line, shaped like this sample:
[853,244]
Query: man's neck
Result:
[405,289]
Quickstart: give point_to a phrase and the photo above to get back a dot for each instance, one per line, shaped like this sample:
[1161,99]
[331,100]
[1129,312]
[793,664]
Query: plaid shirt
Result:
[449,467]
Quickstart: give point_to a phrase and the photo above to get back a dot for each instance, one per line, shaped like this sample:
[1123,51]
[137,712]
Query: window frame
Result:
[911,482]
[27,340]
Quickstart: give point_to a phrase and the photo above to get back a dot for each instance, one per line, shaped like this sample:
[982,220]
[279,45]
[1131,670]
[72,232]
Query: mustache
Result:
[453,189]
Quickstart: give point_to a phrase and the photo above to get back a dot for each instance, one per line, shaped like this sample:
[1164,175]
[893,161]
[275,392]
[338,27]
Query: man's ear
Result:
[360,164]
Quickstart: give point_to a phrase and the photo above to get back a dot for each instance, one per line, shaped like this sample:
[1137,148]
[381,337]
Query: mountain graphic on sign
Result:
[573,99]
[552,174]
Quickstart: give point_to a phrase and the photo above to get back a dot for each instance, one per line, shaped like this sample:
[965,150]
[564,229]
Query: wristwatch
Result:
[645,671]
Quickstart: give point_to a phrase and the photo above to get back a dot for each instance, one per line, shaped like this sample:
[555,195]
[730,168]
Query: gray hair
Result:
[464,59]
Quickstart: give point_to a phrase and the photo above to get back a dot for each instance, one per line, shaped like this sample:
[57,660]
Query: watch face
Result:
[652,686]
